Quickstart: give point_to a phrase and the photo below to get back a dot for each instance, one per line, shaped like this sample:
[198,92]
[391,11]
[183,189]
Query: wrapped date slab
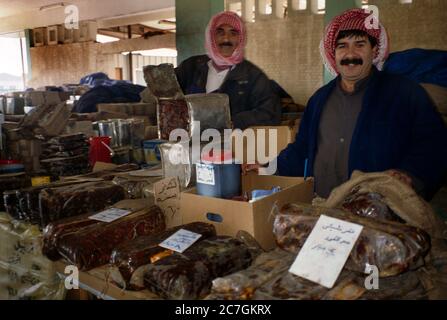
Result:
[162,81]
[72,200]
[393,247]
[171,115]
[401,198]
[23,204]
[349,286]
[208,111]
[92,246]
[369,205]
[54,230]
[291,287]
[134,186]
[189,275]
[129,259]
[243,284]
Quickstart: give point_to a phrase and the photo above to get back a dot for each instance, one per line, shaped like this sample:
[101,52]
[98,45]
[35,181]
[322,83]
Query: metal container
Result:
[124,132]
[107,128]
[137,132]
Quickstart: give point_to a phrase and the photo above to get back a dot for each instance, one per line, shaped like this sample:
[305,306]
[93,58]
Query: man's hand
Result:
[246,168]
[400,176]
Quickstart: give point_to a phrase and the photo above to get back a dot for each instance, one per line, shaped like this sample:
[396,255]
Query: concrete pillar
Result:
[247,10]
[192,17]
[27,55]
[333,9]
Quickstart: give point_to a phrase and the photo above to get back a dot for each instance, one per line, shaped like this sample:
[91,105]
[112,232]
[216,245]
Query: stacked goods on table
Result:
[90,246]
[192,113]
[43,204]
[24,272]
[66,155]
[189,275]
[12,182]
[129,260]
[403,239]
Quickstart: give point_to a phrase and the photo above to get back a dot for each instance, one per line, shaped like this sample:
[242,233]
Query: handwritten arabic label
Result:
[326,250]
[110,215]
[205,174]
[180,241]
[167,197]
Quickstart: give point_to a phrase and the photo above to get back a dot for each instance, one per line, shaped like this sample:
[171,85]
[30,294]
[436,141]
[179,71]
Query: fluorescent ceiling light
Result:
[52,6]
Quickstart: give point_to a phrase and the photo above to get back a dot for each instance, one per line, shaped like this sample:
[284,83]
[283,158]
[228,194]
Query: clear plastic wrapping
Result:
[393,247]
[23,204]
[24,272]
[208,111]
[135,186]
[72,200]
[134,255]
[243,284]
[162,81]
[91,246]
[369,205]
[171,115]
[189,275]
[176,160]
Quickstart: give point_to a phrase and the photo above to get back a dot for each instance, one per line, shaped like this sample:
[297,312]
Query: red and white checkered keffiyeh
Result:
[353,19]
[232,19]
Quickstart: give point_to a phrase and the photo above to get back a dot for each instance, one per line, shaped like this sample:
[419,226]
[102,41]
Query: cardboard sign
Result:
[180,241]
[167,197]
[110,214]
[326,250]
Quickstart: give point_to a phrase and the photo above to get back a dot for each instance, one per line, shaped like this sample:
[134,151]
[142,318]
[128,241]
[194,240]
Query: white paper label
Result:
[326,250]
[181,240]
[205,174]
[110,215]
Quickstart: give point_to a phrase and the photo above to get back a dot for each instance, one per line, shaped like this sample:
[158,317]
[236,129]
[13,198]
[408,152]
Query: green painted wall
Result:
[333,9]
[192,17]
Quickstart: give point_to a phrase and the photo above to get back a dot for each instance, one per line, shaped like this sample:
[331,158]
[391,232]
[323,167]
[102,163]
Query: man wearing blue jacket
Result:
[366,119]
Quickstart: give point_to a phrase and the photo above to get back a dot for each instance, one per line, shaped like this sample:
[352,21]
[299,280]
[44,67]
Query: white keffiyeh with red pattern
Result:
[353,19]
[232,19]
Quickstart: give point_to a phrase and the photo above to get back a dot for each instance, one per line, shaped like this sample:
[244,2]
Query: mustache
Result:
[227,44]
[354,61]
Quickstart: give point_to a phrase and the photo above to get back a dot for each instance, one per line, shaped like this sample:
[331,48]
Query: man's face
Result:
[227,39]
[354,57]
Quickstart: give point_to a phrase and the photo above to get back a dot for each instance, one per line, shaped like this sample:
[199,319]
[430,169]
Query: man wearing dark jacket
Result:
[224,70]
[366,119]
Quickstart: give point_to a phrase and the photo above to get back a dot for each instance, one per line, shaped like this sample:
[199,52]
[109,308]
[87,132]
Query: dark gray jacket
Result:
[252,99]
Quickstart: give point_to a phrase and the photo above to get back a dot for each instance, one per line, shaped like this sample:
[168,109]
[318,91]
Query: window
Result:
[13,62]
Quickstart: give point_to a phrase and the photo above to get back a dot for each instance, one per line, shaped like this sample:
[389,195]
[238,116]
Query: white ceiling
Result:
[22,14]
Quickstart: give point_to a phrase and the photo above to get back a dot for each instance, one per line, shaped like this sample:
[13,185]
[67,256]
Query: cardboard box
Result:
[256,218]
[260,136]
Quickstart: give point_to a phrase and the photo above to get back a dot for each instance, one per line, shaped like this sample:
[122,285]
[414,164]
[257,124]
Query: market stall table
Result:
[95,282]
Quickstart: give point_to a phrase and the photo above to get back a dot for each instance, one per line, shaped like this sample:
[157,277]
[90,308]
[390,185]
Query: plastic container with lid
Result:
[218,176]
